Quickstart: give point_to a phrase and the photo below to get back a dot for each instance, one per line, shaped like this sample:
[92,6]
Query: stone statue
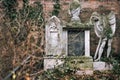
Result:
[74,10]
[104,26]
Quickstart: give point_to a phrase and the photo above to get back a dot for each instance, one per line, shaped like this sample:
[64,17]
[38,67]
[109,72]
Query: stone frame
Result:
[86,38]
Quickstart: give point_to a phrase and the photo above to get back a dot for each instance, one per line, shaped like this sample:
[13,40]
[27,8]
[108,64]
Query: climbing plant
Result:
[23,35]
[20,19]
[10,8]
[56,8]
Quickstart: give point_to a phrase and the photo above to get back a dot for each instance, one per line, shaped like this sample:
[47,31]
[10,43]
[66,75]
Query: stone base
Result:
[80,62]
[85,65]
[84,72]
[52,62]
[101,66]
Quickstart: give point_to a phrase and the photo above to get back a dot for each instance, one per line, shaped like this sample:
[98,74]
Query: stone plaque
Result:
[76,43]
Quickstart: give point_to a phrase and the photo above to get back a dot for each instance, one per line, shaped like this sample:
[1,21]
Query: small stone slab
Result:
[101,66]
[52,62]
[78,25]
[84,72]
[80,62]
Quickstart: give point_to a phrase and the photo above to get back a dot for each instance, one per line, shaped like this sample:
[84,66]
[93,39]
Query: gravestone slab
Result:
[53,47]
[52,62]
[84,72]
[101,66]
[53,37]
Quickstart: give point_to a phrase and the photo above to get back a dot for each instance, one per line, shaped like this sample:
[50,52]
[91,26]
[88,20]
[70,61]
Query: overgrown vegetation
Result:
[22,35]
[56,8]
[22,31]
[66,73]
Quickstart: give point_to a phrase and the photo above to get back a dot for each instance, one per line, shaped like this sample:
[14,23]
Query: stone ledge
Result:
[80,62]
[101,66]
[78,25]
[84,72]
[79,57]
[51,63]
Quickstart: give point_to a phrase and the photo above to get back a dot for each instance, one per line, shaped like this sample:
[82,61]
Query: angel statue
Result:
[104,27]
[74,10]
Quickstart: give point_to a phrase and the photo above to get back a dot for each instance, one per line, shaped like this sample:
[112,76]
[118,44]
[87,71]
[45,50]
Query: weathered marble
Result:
[104,26]
[71,42]
[52,62]
[53,48]
[87,43]
[84,72]
[101,66]
[53,37]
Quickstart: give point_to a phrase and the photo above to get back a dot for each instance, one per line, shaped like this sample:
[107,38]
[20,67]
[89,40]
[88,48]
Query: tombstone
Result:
[77,52]
[70,42]
[53,37]
[77,40]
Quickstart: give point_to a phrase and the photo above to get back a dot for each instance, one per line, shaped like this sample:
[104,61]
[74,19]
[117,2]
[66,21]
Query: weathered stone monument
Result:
[53,39]
[78,41]
[104,26]
[71,42]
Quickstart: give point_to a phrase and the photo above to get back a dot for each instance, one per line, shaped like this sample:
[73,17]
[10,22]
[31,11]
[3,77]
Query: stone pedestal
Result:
[82,31]
[80,62]
[52,62]
[101,66]
[83,64]
[84,72]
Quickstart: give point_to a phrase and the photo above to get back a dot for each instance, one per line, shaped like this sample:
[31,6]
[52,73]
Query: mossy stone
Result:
[74,4]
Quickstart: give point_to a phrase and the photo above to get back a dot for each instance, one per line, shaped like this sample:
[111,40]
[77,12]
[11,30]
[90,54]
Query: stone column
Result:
[87,43]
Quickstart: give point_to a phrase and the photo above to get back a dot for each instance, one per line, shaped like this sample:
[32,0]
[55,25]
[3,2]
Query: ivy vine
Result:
[56,8]
[20,19]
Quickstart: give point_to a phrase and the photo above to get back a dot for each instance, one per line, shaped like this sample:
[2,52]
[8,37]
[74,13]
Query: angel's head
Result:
[95,17]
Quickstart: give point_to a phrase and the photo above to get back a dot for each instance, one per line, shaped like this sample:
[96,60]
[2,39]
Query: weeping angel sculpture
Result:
[74,10]
[104,26]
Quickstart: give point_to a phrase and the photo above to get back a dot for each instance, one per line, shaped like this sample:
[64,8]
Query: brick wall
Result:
[93,5]
[88,6]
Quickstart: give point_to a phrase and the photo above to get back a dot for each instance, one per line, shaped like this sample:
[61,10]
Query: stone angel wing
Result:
[112,22]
